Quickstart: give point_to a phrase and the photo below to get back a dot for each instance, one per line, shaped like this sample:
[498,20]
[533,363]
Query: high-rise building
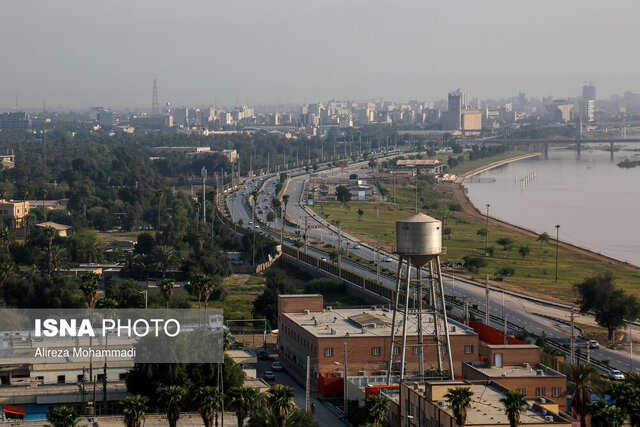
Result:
[451,119]
[16,120]
[589,92]
[464,97]
[181,117]
[585,109]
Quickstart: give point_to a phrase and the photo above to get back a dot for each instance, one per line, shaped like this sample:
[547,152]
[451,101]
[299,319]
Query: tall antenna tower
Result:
[155,109]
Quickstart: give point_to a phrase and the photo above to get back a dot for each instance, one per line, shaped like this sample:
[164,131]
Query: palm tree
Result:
[29,223]
[131,261]
[91,249]
[159,196]
[514,403]
[460,400]
[3,195]
[377,409]
[285,202]
[172,398]
[301,418]
[226,344]
[197,284]
[244,401]
[583,377]
[58,259]
[166,287]
[280,399]
[543,238]
[50,233]
[134,409]
[208,400]
[197,206]
[164,258]
[208,286]
[63,417]
[43,195]
[89,288]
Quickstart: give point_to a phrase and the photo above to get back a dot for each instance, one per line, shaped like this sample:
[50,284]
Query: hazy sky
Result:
[79,53]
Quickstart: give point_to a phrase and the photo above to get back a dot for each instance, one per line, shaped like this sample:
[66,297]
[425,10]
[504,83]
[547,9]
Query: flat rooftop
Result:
[537,370]
[358,322]
[486,408]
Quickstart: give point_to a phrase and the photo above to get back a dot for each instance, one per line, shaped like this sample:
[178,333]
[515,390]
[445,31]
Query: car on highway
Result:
[324,259]
[356,246]
[263,355]
[387,259]
[594,344]
[615,375]
[277,366]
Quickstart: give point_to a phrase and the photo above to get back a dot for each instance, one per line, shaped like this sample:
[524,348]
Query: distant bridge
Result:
[577,141]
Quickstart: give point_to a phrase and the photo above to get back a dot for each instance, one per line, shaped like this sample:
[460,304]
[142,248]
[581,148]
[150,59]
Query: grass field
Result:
[535,273]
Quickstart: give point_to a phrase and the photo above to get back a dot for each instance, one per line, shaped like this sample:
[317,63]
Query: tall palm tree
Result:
[50,233]
[89,288]
[43,195]
[280,399]
[131,261]
[63,417]
[159,195]
[514,404]
[197,284]
[91,249]
[583,377]
[166,287]
[172,398]
[460,400]
[377,409]
[29,222]
[301,418]
[164,258]
[3,195]
[207,399]
[134,409]
[208,286]
[58,259]
[244,401]
[285,202]
[197,206]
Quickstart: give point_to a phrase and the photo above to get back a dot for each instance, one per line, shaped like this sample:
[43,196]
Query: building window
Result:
[522,391]
[61,379]
[396,350]
[556,391]
[80,378]
[122,376]
[416,350]
[468,349]
[540,391]
[328,352]
[375,351]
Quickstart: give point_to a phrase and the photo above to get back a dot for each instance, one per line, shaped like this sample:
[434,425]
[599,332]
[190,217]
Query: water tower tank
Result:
[420,237]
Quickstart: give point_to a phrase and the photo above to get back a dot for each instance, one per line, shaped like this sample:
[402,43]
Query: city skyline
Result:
[77,55]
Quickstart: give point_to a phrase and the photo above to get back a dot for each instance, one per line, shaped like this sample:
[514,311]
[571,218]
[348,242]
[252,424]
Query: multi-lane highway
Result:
[535,317]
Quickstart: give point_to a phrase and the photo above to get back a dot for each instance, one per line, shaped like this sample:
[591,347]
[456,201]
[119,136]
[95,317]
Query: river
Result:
[595,202]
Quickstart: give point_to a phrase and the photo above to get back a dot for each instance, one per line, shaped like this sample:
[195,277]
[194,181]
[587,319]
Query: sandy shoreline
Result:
[460,195]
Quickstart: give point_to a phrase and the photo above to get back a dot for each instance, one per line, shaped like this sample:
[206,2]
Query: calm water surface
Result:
[596,203]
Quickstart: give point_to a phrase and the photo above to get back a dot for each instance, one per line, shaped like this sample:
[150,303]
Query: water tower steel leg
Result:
[404,320]
[393,321]
[436,321]
[420,332]
[446,322]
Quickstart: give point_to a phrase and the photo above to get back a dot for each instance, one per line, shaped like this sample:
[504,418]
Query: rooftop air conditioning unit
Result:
[548,418]
[306,311]
[526,365]
[487,382]
[329,308]
[373,308]
[361,373]
[539,372]
[441,402]
[338,374]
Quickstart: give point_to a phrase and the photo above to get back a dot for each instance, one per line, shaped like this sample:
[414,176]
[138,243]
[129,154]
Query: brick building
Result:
[305,328]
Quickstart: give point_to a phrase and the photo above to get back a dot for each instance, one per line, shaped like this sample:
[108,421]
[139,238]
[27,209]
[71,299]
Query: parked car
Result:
[269,376]
[594,344]
[263,355]
[277,366]
[615,375]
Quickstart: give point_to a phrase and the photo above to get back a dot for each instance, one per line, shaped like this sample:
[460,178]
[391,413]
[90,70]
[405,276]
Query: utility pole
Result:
[572,355]
[506,330]
[557,248]
[466,311]
[378,261]
[486,233]
[631,347]
[486,302]
[344,381]
[305,233]
[307,396]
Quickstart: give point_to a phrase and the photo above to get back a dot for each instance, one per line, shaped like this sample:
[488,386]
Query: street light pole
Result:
[557,248]
[486,233]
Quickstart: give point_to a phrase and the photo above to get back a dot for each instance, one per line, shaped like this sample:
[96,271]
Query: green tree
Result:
[627,398]
[166,287]
[481,232]
[301,418]
[460,400]
[514,404]
[164,258]
[360,213]
[208,400]
[89,288]
[266,304]
[134,408]
[271,216]
[50,233]
[377,409]
[63,417]
[543,238]
[285,202]
[505,242]
[611,305]
[172,399]
[606,416]
[524,251]
[474,263]
[280,399]
[343,194]
[582,376]
[159,195]
[244,401]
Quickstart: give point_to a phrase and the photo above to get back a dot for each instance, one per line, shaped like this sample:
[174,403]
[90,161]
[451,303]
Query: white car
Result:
[594,344]
[387,259]
[616,375]
[356,246]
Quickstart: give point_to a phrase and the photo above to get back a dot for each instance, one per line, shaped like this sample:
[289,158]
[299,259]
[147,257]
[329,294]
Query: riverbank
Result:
[460,179]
